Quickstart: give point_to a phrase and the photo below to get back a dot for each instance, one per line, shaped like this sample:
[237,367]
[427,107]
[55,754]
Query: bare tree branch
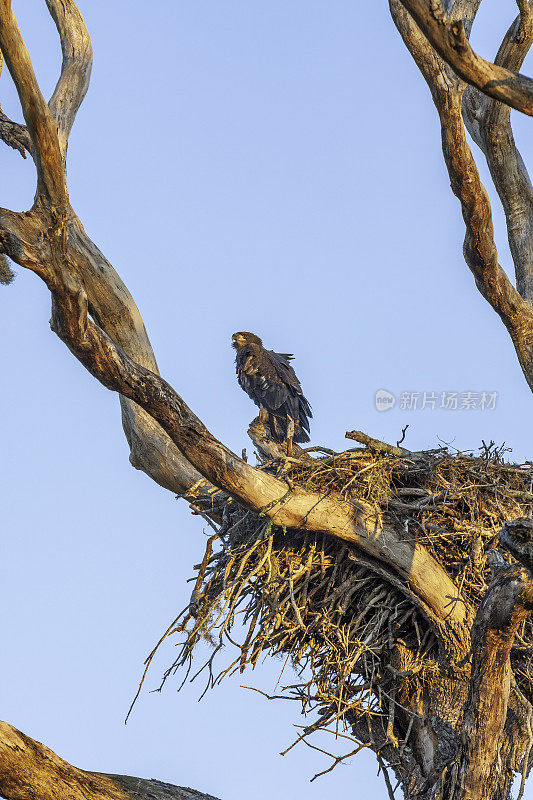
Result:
[51,179]
[110,303]
[76,67]
[109,300]
[72,84]
[15,135]
[113,307]
[489,124]
[479,248]
[450,40]
[463,11]
[29,770]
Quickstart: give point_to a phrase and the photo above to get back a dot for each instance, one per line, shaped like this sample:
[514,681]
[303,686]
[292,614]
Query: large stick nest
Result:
[315,601]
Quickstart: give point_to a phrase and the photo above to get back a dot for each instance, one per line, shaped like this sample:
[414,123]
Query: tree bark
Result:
[513,305]
[449,39]
[30,771]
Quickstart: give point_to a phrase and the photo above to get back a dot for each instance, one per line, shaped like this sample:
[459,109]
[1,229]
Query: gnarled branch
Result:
[479,249]
[15,135]
[489,124]
[449,38]
[109,300]
[75,75]
[29,770]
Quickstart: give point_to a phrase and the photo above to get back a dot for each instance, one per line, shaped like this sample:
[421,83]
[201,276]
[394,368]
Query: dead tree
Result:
[388,584]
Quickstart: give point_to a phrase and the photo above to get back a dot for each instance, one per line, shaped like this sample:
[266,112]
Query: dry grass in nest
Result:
[313,600]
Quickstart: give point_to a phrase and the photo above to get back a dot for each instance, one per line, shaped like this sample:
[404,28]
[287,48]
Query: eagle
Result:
[270,381]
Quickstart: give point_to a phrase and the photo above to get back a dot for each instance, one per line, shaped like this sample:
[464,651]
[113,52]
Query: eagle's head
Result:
[242,338]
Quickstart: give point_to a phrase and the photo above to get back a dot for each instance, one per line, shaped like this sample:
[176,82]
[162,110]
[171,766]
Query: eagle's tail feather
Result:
[300,435]
[305,412]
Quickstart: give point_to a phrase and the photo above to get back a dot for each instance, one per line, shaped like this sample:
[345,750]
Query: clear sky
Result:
[265,166]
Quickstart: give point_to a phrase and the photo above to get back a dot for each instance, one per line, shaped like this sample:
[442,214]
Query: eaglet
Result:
[270,381]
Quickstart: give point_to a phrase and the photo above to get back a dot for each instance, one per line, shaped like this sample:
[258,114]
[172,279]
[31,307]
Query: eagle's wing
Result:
[287,378]
[260,376]
[269,380]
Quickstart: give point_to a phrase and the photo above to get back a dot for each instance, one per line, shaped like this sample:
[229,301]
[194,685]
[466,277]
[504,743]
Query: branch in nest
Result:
[268,448]
[375,444]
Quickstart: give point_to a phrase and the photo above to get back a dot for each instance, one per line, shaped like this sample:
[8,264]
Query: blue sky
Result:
[261,166]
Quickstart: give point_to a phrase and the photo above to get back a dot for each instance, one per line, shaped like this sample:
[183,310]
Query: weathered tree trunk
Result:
[30,771]
[477,730]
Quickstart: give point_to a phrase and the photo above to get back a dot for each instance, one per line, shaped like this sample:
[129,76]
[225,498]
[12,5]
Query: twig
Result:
[195,595]
[525,762]
[398,443]
[295,607]
[385,775]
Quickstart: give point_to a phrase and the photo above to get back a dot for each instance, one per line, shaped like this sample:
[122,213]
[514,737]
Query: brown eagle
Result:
[270,381]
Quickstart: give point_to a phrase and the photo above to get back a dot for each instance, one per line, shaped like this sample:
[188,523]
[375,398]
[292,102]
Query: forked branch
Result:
[489,124]
[23,235]
[479,248]
[450,41]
